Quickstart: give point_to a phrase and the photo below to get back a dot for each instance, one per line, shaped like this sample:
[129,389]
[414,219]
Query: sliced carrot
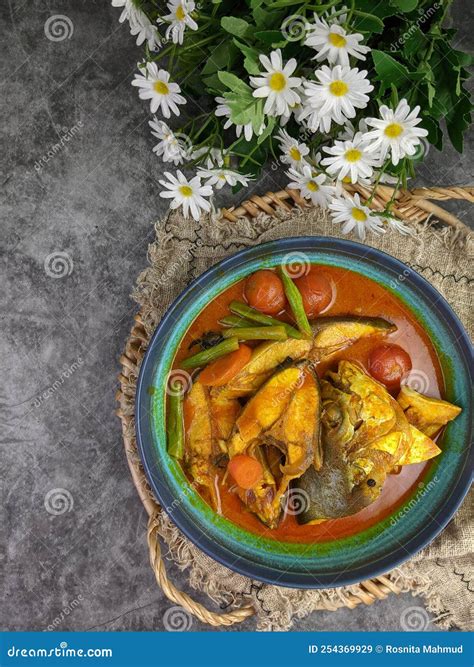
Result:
[245,470]
[222,370]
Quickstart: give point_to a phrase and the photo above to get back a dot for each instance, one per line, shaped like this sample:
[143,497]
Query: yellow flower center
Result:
[337,40]
[393,130]
[358,215]
[346,179]
[180,13]
[185,190]
[277,81]
[312,186]
[338,88]
[353,155]
[161,87]
[295,154]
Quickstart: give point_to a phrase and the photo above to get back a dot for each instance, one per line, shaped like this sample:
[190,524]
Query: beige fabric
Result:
[442,573]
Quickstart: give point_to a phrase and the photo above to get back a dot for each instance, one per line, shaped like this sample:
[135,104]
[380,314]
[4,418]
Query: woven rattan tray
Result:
[412,206]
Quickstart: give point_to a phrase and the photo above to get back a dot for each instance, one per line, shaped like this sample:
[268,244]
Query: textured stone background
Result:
[95,201]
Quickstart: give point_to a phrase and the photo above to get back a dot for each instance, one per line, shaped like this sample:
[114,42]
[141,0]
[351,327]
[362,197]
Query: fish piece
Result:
[373,411]
[264,409]
[365,436]
[332,334]
[208,424]
[421,448]
[265,359]
[224,412]
[297,436]
[298,431]
[427,414]
[283,417]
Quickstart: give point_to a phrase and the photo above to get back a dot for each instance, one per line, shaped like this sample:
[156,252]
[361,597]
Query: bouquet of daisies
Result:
[337,95]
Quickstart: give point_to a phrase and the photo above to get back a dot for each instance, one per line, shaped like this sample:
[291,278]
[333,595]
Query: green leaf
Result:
[367,22]
[404,5]
[435,135]
[391,72]
[458,120]
[251,57]
[270,37]
[262,17]
[282,3]
[233,82]
[380,9]
[213,83]
[236,26]
[221,57]
[413,41]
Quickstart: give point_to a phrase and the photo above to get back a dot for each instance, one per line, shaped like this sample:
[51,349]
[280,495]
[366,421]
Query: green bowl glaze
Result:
[346,560]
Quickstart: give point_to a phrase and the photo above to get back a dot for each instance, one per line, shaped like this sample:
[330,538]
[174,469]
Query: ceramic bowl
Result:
[339,562]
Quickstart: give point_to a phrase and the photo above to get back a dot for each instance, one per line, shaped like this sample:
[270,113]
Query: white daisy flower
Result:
[188,194]
[340,91]
[350,158]
[333,43]
[214,156]
[157,88]
[221,176]
[277,85]
[399,226]
[224,110]
[340,18]
[311,185]
[396,131]
[179,19]
[293,152]
[171,147]
[349,130]
[140,24]
[354,215]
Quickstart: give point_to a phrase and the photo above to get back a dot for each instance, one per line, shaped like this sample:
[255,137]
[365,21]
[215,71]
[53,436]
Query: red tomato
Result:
[264,291]
[389,364]
[315,290]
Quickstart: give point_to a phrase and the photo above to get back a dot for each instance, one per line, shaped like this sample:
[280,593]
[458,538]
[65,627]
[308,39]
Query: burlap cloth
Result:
[443,572]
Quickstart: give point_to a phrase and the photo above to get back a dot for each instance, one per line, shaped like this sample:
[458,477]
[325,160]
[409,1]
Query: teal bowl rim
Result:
[327,563]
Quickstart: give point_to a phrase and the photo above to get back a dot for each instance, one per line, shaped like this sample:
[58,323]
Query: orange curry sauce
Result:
[353,294]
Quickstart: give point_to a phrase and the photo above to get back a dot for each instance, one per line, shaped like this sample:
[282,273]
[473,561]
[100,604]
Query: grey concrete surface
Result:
[95,200]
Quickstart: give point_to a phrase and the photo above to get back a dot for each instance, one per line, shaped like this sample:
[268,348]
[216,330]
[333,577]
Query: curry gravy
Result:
[353,295]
